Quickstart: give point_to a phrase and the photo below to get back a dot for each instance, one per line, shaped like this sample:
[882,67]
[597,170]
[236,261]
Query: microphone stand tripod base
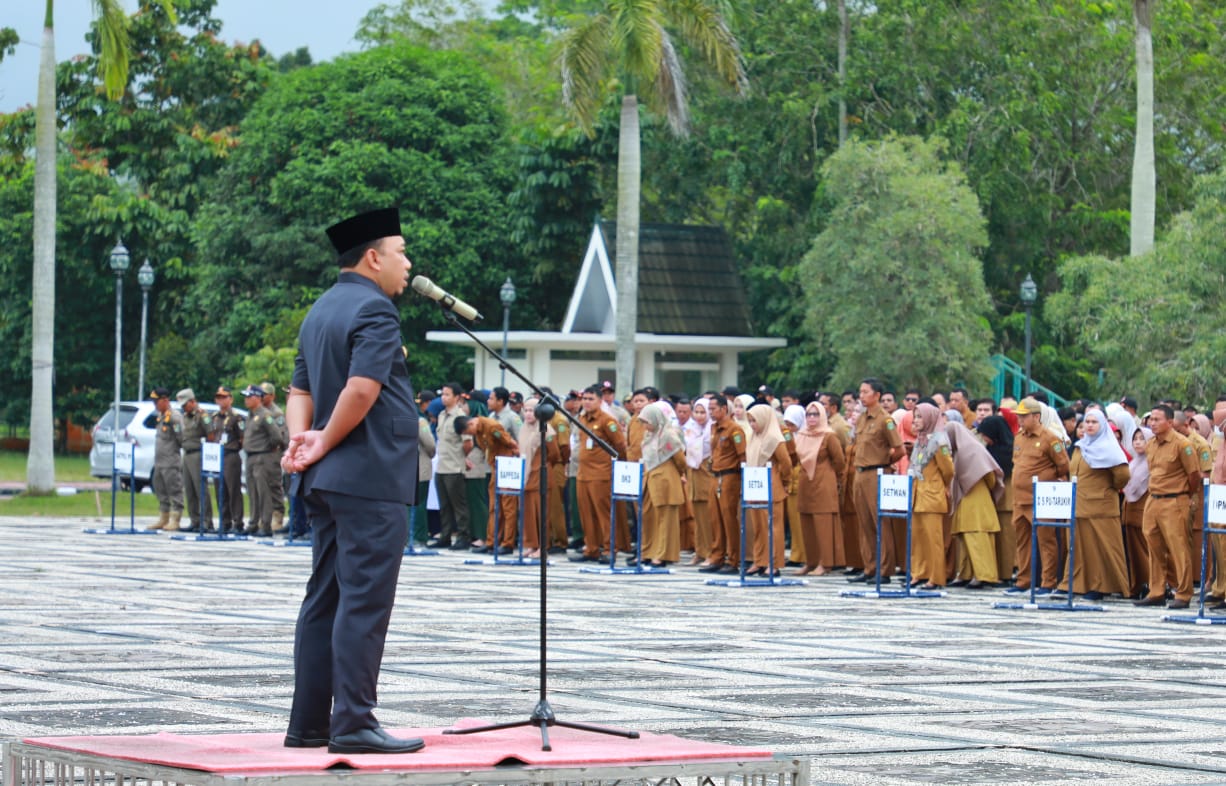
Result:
[543,716]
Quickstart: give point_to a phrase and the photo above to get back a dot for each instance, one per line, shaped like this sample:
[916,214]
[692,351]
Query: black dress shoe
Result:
[861,578]
[1177,604]
[715,568]
[582,558]
[438,543]
[1218,606]
[374,740]
[1092,595]
[306,739]
[502,550]
[460,545]
[1158,601]
[959,583]
[730,569]
[557,549]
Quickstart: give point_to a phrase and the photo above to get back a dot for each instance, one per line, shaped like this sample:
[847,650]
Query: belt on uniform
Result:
[257,452]
[1168,496]
[719,473]
[189,452]
[871,466]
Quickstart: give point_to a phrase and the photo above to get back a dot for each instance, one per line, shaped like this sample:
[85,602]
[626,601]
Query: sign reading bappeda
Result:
[510,471]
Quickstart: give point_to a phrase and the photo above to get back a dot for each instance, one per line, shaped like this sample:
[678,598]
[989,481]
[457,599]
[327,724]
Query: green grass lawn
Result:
[68,469]
[85,503]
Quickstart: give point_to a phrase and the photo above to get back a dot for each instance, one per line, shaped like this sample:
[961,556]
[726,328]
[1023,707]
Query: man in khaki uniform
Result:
[838,423]
[167,463]
[492,436]
[227,429]
[1204,457]
[557,487]
[594,487]
[1036,452]
[878,445]
[278,489]
[196,426]
[1174,476]
[263,443]
[727,454]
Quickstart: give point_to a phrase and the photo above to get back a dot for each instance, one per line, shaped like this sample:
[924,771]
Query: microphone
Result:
[424,286]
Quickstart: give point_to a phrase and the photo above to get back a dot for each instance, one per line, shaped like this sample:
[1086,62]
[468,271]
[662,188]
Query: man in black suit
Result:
[353,434]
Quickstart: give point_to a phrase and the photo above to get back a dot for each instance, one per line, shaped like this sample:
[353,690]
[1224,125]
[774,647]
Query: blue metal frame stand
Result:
[770,579]
[907,590]
[636,505]
[519,559]
[217,534]
[1201,618]
[1069,524]
[116,473]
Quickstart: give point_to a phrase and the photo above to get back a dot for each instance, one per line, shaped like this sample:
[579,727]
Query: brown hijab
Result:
[972,462]
[810,438]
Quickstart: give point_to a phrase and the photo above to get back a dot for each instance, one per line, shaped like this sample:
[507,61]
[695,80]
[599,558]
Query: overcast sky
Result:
[326,27]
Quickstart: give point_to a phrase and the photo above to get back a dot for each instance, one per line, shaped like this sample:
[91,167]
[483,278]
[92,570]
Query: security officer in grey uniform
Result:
[167,467]
[353,434]
[227,428]
[278,489]
[263,443]
[196,426]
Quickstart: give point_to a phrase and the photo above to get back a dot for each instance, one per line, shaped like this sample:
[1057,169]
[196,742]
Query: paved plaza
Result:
[139,634]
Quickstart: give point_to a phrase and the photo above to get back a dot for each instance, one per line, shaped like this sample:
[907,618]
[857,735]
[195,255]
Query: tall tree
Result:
[1143,175]
[113,42]
[629,40]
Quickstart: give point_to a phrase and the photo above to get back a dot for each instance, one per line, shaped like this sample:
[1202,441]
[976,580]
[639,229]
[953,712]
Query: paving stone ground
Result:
[105,634]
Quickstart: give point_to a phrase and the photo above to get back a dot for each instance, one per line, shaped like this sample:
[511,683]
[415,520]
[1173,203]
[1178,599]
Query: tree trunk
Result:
[629,182]
[844,34]
[40,464]
[1144,178]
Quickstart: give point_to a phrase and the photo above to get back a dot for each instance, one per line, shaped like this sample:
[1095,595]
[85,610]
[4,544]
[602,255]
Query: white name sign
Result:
[510,473]
[1053,501]
[627,478]
[893,493]
[756,484]
[1216,509]
[122,461]
[210,457]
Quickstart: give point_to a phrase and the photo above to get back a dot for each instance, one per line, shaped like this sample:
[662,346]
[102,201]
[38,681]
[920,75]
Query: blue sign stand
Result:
[894,503]
[219,476]
[518,493]
[753,484]
[1215,524]
[1070,524]
[631,492]
[116,473]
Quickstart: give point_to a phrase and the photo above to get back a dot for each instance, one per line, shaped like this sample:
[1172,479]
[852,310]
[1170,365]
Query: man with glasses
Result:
[910,399]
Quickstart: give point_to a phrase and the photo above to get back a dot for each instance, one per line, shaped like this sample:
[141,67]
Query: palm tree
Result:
[1144,179]
[629,40]
[113,40]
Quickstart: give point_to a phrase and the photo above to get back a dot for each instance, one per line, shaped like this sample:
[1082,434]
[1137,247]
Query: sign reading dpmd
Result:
[122,462]
[1216,509]
[1053,501]
[510,473]
[756,484]
[210,457]
[627,478]
[893,493]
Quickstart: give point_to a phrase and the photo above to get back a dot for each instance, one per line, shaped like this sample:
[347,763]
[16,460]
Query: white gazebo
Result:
[693,319]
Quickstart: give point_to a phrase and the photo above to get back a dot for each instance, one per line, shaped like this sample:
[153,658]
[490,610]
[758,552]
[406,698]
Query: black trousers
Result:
[342,625]
[231,508]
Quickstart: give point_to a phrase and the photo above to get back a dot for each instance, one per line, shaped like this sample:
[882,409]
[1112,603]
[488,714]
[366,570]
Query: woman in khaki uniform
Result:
[663,456]
[932,470]
[978,481]
[698,465]
[793,421]
[529,444]
[1136,494]
[1101,468]
[849,522]
[998,437]
[817,496]
[766,447]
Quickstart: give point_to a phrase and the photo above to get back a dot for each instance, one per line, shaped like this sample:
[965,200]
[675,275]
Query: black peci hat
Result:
[363,228]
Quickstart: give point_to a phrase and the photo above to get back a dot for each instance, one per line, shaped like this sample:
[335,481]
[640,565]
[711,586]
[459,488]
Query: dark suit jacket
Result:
[354,330]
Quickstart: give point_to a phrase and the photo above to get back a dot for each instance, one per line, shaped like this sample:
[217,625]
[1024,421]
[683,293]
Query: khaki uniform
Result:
[278,488]
[228,429]
[663,498]
[594,487]
[766,527]
[817,501]
[876,438]
[727,454]
[557,482]
[1196,507]
[929,506]
[1035,454]
[167,462]
[263,443]
[196,427]
[1173,468]
[494,439]
[1100,563]
[532,490]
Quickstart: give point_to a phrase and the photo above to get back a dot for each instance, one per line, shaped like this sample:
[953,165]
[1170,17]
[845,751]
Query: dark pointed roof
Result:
[688,282]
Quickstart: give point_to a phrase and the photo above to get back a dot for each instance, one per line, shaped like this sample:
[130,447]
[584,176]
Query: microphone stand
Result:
[542,715]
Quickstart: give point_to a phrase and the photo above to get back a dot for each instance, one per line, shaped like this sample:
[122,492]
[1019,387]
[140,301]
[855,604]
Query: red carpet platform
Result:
[264,754]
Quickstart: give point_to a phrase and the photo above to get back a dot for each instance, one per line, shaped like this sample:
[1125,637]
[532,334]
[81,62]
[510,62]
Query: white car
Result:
[138,424]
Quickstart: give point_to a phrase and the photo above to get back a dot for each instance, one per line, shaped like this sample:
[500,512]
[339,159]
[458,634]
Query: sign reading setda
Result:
[1053,501]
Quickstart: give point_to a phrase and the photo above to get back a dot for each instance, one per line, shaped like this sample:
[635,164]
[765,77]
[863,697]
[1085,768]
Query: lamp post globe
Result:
[145,277]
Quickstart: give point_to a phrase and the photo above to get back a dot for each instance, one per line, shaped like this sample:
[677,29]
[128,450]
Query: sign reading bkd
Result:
[510,471]
[1053,501]
[210,457]
[627,478]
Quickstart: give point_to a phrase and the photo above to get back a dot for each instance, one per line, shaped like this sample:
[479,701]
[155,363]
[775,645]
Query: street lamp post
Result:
[119,265]
[145,276]
[1029,293]
[507,295]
